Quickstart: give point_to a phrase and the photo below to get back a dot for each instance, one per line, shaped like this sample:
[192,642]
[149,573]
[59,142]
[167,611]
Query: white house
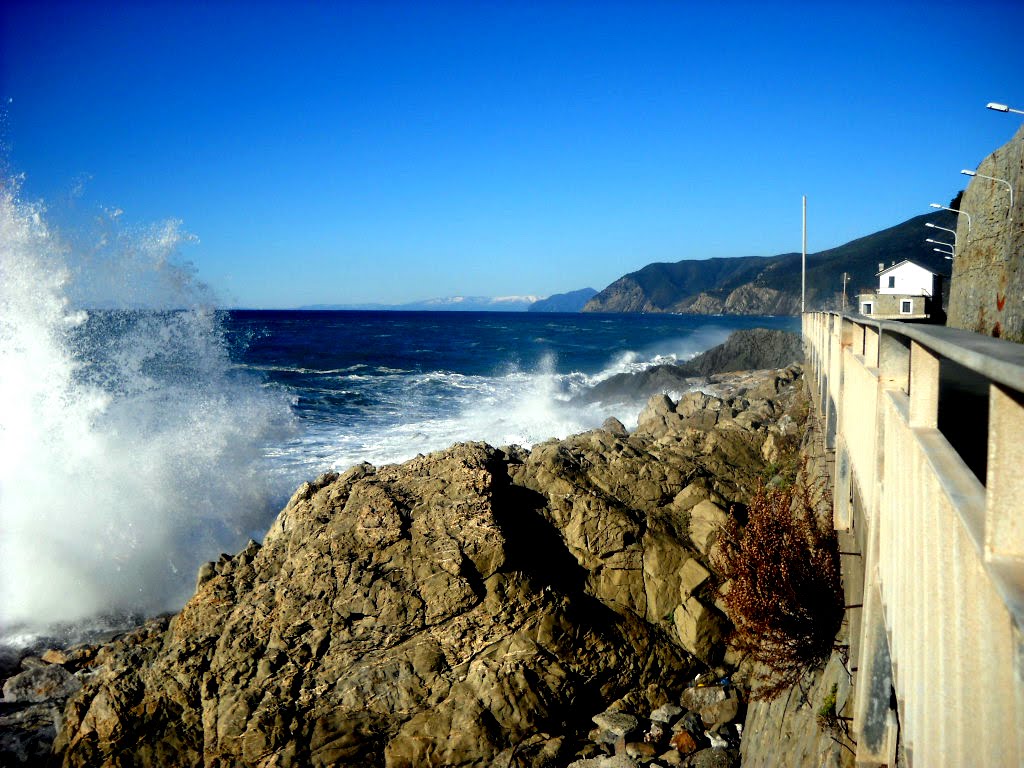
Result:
[906,291]
[906,278]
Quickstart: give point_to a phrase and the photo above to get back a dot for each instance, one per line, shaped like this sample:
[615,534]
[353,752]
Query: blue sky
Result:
[358,152]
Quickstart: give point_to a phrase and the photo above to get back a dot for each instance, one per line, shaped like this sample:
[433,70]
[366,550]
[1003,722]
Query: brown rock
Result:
[615,427]
[404,614]
[684,743]
[432,613]
[641,750]
[696,699]
[54,656]
[692,577]
[720,712]
[700,630]
[706,519]
[40,684]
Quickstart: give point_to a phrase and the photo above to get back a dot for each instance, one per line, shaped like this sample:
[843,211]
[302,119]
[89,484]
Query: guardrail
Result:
[927,428]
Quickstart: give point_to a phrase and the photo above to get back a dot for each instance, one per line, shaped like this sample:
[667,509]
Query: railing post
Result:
[857,338]
[893,362]
[870,346]
[924,387]
[1004,503]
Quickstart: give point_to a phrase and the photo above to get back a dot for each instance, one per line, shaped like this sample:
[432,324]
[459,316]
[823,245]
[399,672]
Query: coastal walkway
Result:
[925,427]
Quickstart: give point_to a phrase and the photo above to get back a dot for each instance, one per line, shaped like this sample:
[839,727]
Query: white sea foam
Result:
[128,457]
[431,411]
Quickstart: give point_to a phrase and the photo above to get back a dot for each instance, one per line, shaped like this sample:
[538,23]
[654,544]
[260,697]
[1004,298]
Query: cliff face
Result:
[754,285]
[471,607]
[661,287]
[987,290]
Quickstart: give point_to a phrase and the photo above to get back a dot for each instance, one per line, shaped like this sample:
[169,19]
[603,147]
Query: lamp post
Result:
[954,210]
[944,229]
[939,242]
[1002,108]
[948,254]
[966,172]
[803,263]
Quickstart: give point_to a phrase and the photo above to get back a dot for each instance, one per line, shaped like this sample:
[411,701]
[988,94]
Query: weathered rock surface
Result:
[472,607]
[40,684]
[987,290]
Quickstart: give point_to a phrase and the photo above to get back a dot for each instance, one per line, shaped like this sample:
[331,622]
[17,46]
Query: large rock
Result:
[40,684]
[701,630]
[472,607]
[692,577]
[987,290]
[398,616]
[706,520]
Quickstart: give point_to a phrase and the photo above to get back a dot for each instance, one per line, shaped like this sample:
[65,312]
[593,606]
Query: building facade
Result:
[906,291]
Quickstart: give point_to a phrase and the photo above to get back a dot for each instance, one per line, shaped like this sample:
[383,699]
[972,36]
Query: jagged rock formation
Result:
[761,285]
[744,350]
[987,291]
[471,607]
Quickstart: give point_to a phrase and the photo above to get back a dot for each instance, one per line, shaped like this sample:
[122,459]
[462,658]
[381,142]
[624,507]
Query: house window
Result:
[892,281]
[906,306]
[866,308]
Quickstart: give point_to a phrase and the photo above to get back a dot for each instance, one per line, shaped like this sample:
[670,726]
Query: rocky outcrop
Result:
[748,299]
[476,606]
[987,290]
[744,350]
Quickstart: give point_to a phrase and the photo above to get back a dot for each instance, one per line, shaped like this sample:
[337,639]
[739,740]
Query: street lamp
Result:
[966,172]
[944,229]
[948,254]
[1002,108]
[951,246]
[954,210]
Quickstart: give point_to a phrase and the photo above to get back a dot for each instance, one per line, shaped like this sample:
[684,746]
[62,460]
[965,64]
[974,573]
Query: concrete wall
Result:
[942,549]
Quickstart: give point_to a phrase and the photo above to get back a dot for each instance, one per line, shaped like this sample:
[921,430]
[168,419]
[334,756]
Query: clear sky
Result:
[355,152]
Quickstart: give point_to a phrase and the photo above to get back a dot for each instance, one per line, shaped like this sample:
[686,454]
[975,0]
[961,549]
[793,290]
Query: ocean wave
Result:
[130,446]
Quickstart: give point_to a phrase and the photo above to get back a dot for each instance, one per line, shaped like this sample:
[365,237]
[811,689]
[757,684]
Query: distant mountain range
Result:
[770,285]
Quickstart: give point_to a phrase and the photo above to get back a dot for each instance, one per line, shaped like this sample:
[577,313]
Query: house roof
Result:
[900,264]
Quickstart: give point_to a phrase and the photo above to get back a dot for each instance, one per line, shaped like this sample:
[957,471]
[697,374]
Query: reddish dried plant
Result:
[785,596]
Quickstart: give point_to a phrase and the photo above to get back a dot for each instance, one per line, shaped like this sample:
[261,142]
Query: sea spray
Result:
[129,446]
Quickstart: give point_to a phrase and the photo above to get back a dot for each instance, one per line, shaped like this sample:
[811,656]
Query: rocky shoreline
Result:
[476,606]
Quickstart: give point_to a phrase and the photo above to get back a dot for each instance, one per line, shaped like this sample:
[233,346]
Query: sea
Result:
[141,438]
[382,387]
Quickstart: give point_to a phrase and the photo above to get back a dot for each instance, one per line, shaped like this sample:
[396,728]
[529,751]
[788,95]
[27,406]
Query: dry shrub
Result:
[785,597]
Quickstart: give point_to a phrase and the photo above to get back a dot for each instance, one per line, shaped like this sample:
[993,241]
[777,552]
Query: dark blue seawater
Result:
[385,386]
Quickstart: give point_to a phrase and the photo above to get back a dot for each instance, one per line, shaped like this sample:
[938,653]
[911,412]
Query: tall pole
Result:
[803,265]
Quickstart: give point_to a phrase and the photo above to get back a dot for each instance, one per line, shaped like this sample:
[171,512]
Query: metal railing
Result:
[927,426]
